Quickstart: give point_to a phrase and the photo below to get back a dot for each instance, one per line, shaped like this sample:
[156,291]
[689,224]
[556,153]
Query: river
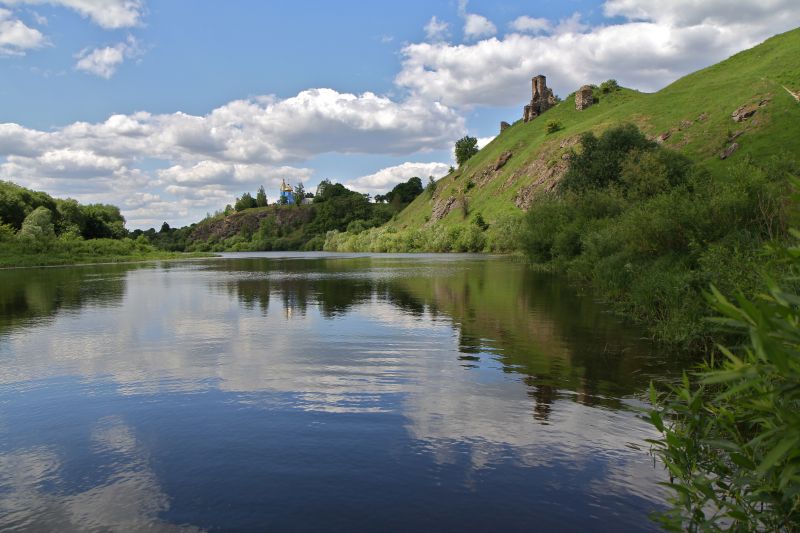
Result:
[315,391]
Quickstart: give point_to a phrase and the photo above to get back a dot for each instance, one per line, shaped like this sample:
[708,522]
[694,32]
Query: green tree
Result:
[599,164]
[164,228]
[17,202]
[430,188]
[246,201]
[71,219]
[38,225]
[404,193]
[299,193]
[261,197]
[465,148]
[102,221]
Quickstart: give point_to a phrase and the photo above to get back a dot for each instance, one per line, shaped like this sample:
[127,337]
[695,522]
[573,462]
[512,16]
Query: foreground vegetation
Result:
[730,437]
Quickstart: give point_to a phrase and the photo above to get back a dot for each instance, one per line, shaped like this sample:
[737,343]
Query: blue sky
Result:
[172,108]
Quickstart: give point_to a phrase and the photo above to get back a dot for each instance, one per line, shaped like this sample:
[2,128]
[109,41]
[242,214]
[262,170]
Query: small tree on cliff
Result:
[261,197]
[466,147]
[245,202]
[299,193]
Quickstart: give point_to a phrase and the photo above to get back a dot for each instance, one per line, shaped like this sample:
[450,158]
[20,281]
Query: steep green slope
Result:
[694,111]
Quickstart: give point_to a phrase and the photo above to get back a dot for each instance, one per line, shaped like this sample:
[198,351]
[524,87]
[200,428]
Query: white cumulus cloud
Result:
[385,179]
[657,43]
[108,14]
[104,61]
[203,159]
[477,26]
[16,37]
[526,24]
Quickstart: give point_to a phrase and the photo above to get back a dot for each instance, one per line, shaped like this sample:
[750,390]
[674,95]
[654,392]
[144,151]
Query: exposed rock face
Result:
[502,160]
[748,110]
[727,152]
[583,98]
[542,99]
[504,126]
[442,207]
[490,172]
[546,170]
[249,221]
[663,137]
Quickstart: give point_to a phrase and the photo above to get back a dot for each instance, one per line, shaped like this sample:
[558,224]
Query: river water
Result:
[320,392]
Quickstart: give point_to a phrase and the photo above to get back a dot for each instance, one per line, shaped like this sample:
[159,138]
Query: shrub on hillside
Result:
[649,232]
[609,86]
[599,164]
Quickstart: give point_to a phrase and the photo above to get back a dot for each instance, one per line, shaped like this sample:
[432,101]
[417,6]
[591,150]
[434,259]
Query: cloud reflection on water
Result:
[475,360]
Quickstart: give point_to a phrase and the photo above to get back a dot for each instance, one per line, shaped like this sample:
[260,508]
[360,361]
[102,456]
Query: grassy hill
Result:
[695,111]
[648,199]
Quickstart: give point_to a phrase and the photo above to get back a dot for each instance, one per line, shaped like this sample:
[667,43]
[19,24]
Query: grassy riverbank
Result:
[73,251]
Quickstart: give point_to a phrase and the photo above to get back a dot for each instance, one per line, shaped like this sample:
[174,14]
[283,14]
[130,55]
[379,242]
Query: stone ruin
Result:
[504,126]
[583,98]
[542,99]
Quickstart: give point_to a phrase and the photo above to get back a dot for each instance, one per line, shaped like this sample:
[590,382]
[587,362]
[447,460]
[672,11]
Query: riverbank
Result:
[62,252]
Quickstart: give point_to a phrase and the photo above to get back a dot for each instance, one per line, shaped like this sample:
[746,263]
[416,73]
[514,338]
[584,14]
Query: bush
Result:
[609,86]
[600,162]
[505,234]
[650,232]
[731,440]
[552,126]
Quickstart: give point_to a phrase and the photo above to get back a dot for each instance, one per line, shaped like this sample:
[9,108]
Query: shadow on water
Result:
[28,296]
[534,324]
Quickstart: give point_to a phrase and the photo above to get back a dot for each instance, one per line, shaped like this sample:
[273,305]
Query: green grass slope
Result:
[695,111]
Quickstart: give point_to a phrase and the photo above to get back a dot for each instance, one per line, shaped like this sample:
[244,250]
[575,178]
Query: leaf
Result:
[721,444]
[655,418]
[777,453]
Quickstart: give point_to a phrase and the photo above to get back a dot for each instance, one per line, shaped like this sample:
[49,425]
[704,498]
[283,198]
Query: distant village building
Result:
[286,192]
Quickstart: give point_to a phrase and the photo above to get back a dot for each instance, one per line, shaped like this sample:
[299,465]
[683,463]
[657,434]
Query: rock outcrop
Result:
[504,126]
[442,207]
[502,160]
[746,111]
[727,152]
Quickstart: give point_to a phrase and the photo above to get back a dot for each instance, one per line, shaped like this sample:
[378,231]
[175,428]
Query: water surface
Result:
[320,391]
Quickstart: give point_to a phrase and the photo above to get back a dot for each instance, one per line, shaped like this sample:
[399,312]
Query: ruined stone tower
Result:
[583,98]
[542,99]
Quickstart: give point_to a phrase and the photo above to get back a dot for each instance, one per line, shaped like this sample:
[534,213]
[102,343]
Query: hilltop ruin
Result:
[584,97]
[542,99]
